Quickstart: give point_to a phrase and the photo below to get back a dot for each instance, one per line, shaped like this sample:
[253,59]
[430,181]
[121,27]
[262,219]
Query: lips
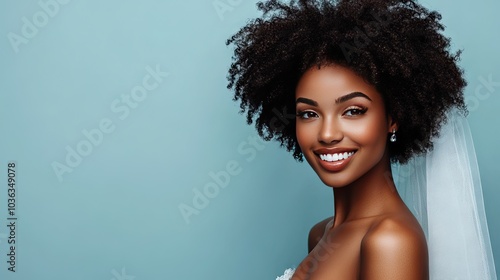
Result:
[334,159]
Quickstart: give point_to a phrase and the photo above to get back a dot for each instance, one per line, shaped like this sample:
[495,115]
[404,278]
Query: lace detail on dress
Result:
[287,275]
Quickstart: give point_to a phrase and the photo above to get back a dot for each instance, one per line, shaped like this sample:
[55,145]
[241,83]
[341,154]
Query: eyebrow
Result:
[306,101]
[341,99]
[351,95]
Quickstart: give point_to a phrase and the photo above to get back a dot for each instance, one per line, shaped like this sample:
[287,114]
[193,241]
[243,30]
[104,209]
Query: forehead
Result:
[331,82]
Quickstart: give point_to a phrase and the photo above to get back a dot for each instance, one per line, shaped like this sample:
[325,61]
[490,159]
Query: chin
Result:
[336,183]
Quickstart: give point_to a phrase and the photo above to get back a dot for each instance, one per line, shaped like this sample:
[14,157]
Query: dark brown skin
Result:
[316,233]
[373,235]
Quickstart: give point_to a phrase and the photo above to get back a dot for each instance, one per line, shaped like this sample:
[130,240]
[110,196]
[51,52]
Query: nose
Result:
[330,131]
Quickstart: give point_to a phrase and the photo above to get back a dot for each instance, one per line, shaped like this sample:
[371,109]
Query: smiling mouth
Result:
[336,156]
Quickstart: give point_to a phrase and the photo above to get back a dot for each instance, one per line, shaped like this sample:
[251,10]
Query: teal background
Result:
[116,214]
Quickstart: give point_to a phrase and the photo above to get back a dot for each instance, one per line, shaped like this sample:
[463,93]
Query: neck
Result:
[371,195]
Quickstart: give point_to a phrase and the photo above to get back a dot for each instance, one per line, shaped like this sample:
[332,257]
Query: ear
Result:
[392,124]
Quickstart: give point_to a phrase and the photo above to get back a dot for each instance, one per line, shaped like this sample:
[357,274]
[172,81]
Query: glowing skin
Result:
[338,111]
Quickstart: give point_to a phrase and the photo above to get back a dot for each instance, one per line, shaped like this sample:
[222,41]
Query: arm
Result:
[392,251]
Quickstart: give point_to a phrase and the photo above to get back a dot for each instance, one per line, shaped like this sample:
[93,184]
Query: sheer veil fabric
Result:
[443,190]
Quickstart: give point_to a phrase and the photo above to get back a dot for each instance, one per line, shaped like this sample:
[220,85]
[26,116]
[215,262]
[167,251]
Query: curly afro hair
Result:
[397,46]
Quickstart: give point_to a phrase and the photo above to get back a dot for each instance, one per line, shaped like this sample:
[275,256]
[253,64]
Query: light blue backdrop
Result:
[117,117]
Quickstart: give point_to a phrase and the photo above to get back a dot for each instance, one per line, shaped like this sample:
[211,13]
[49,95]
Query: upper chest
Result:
[336,256]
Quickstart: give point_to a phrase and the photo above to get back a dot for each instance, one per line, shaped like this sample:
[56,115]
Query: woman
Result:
[371,82]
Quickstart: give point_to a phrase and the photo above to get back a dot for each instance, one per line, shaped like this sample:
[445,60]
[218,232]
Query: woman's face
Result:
[342,126]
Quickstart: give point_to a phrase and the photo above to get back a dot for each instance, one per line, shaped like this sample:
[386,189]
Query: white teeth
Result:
[336,157]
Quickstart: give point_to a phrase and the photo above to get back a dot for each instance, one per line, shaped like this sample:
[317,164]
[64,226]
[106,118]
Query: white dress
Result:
[287,275]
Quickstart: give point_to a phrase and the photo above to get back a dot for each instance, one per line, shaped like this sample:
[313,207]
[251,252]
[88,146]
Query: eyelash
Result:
[354,111]
[301,114]
[358,110]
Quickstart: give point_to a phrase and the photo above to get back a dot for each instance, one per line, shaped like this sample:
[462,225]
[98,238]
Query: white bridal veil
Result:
[443,189]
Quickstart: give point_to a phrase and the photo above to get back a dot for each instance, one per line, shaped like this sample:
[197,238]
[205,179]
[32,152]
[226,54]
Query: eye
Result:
[306,115]
[354,111]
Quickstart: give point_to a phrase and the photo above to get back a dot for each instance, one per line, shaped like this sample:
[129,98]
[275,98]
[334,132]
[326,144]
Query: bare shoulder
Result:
[394,248]
[317,232]
[403,227]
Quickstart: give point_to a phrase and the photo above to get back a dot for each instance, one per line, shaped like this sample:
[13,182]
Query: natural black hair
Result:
[397,46]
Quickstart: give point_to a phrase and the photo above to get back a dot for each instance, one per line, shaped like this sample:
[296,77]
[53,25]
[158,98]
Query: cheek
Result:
[369,132]
[303,135]
[306,138]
